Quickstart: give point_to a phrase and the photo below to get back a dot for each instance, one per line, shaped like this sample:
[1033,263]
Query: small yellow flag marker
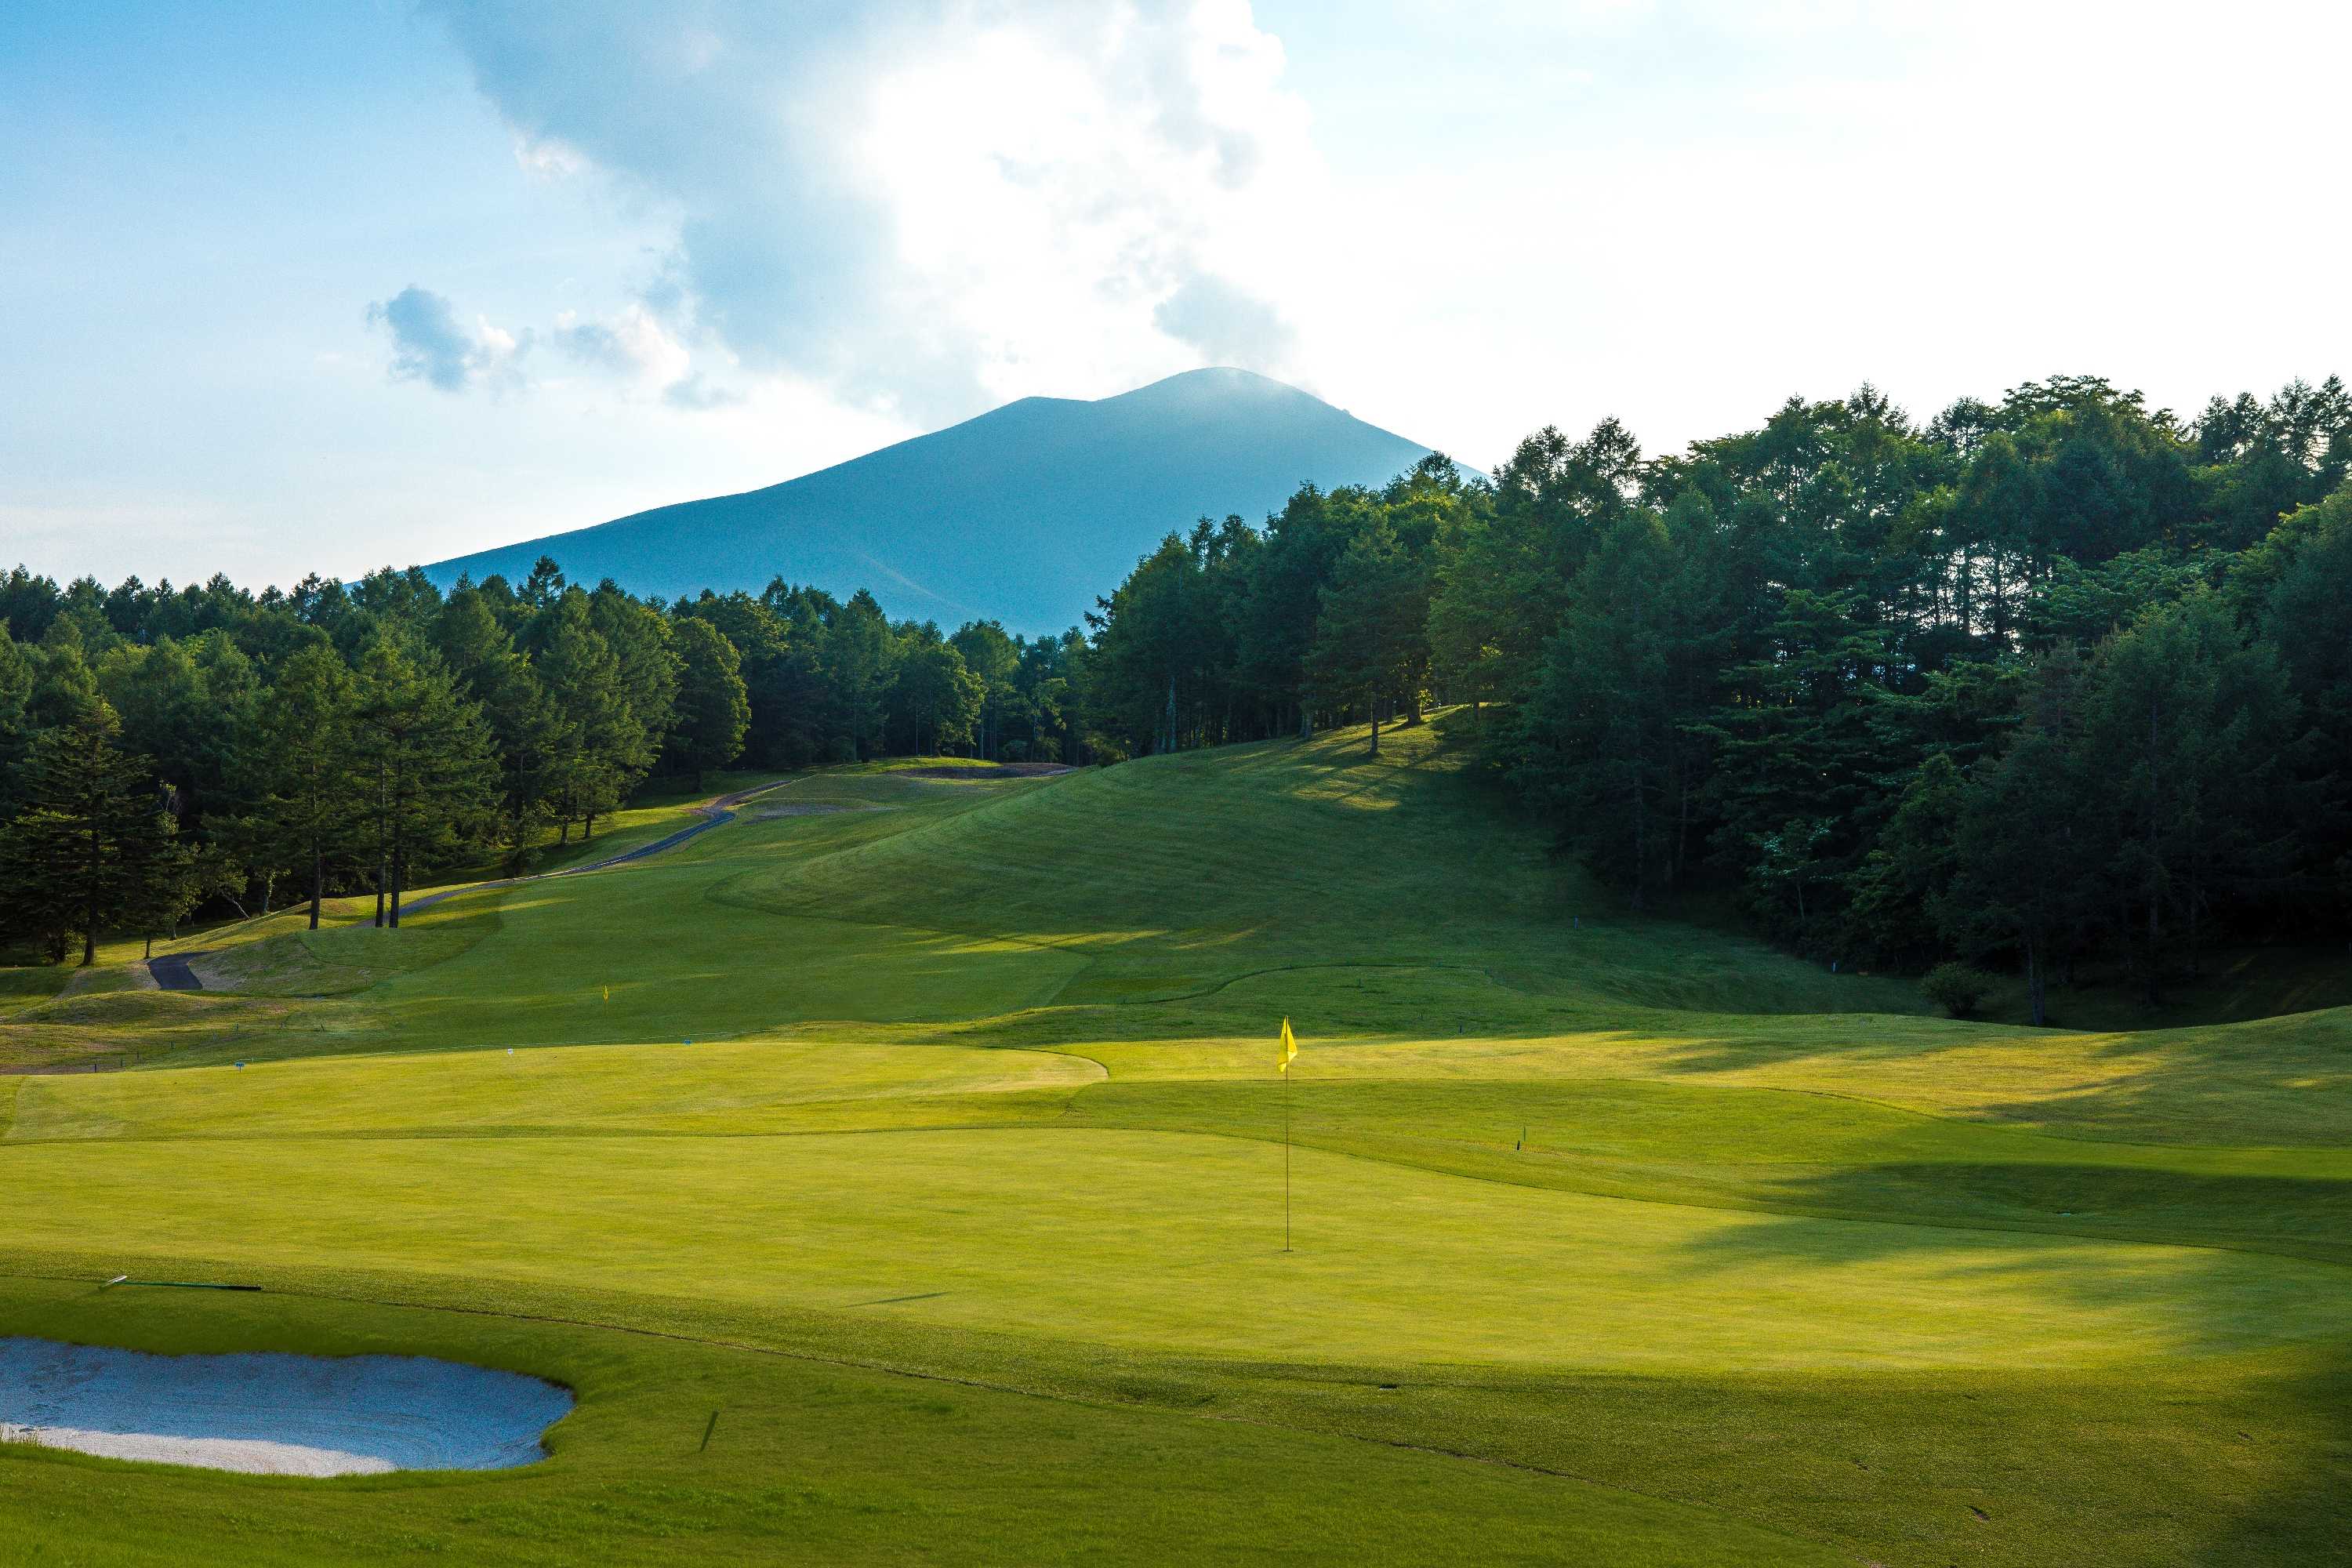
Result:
[608,993]
[1289,1054]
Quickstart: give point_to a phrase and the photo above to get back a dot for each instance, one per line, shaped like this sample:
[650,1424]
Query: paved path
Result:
[173,971]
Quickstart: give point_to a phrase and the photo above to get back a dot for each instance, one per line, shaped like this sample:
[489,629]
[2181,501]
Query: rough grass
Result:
[1615,1240]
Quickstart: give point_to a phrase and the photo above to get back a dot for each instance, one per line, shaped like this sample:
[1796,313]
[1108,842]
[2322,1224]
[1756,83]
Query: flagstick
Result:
[1285,1156]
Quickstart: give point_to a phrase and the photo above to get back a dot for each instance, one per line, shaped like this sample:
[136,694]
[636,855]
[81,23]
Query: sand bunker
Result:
[274,1414]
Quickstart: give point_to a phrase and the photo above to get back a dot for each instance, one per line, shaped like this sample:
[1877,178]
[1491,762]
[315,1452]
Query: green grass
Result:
[2232,986]
[1615,1240]
[807,1461]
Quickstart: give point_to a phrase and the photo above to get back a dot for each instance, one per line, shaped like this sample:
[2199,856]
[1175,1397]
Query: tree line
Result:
[165,748]
[2057,679]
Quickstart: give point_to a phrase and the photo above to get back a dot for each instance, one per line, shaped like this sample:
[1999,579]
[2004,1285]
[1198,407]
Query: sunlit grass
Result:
[964,1207]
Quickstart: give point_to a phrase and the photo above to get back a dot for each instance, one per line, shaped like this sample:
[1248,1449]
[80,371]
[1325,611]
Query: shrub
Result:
[1957,988]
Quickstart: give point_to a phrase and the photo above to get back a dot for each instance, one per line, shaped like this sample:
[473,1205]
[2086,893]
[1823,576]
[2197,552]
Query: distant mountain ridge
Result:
[1023,514]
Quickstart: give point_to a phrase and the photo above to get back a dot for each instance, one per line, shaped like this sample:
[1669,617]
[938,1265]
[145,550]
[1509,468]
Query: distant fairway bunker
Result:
[271,1413]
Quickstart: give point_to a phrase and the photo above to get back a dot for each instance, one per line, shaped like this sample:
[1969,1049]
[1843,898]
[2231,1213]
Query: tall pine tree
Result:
[93,847]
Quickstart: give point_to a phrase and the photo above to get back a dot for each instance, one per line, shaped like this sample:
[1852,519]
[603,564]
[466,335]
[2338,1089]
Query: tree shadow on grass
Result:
[2285,1080]
[2299,1509]
[2248,1261]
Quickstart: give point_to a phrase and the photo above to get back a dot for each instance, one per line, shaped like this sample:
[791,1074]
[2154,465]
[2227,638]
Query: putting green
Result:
[1172,1242]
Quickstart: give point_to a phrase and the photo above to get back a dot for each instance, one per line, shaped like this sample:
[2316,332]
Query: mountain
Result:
[1023,514]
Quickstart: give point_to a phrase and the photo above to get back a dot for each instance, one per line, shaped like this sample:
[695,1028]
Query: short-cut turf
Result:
[1616,1240]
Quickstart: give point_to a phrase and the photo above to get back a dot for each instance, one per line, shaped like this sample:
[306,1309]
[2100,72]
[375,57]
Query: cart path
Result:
[174,972]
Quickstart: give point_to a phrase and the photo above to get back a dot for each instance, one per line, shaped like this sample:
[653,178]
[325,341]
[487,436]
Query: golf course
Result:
[900,1171]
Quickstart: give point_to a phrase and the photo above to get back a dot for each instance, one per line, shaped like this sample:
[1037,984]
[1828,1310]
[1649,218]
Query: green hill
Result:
[958,1229]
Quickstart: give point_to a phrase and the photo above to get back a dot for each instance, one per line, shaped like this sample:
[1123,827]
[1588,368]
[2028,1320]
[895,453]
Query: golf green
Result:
[958,1229]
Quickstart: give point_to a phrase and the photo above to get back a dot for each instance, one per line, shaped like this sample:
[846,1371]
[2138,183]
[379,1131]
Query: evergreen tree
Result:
[1372,646]
[771,677]
[602,751]
[1604,708]
[63,684]
[994,661]
[713,711]
[527,732]
[2029,849]
[938,698]
[16,717]
[640,638]
[304,818]
[92,848]
[858,671]
[427,758]
[2195,728]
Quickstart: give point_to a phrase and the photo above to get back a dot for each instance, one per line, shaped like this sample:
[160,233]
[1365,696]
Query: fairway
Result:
[905,1182]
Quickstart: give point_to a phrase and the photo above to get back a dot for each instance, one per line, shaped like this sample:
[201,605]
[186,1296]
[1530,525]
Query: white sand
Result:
[274,1414]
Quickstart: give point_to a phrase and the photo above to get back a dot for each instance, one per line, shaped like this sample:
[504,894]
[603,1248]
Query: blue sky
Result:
[293,287]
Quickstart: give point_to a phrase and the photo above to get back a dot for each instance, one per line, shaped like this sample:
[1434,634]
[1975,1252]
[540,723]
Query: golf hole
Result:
[271,1413]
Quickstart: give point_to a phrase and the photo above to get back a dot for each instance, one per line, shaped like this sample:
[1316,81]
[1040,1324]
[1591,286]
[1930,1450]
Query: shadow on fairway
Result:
[2213,1292]
[2307,1217]
[2301,1510]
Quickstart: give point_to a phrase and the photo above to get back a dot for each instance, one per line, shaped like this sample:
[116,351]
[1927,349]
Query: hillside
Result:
[1023,514]
[922,1120]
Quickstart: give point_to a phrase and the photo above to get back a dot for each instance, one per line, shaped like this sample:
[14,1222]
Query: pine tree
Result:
[93,847]
[15,717]
[529,732]
[1371,640]
[1605,706]
[640,638]
[713,710]
[2194,729]
[303,817]
[2029,851]
[601,739]
[937,697]
[427,756]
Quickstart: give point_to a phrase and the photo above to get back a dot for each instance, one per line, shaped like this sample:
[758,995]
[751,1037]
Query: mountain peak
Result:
[1212,382]
[1023,514]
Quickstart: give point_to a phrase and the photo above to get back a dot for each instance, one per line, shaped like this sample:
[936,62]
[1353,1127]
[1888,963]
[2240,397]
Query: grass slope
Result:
[1615,1241]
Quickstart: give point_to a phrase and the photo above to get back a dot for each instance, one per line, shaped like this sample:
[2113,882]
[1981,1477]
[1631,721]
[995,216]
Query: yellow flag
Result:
[1289,1047]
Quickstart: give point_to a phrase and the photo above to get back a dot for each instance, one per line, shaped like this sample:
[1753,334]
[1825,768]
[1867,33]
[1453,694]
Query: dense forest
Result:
[163,750]
[2053,680]
[2032,683]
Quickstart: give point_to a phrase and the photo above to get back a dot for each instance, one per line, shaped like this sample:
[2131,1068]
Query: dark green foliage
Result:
[2037,681]
[303,819]
[93,848]
[2052,680]
[424,755]
[934,699]
[712,710]
[1371,645]
[1959,989]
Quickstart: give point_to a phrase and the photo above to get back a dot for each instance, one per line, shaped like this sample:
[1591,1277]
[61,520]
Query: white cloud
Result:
[430,344]
[932,205]
[548,158]
[633,344]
